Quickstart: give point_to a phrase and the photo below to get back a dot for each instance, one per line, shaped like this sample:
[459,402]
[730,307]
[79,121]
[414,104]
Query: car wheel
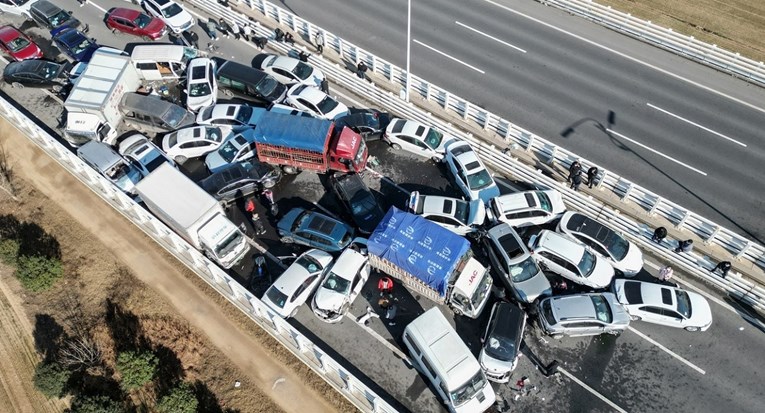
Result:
[692,329]
[436,159]
[228,92]
[269,183]
[180,159]
[635,318]
[615,333]
[293,313]
[457,311]
[290,170]
[395,146]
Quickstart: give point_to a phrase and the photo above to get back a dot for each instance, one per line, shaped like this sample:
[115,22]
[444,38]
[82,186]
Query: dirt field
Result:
[735,25]
[124,286]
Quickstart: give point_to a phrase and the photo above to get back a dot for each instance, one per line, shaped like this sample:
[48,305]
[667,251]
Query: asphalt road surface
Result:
[684,131]
[647,369]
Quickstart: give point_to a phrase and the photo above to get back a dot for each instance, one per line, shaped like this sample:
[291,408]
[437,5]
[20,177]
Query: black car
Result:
[368,123]
[240,179]
[37,73]
[49,16]
[358,200]
[236,79]
[501,343]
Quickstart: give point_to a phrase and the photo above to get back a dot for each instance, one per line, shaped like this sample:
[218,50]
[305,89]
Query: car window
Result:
[587,264]
[536,213]
[337,283]
[652,310]
[309,263]
[524,270]
[282,72]
[683,303]
[307,283]
[602,309]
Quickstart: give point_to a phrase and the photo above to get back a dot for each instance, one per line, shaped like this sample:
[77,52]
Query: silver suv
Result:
[582,315]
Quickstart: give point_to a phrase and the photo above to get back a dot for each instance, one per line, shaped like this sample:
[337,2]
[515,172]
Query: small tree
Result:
[9,250]
[181,399]
[95,404]
[136,368]
[80,352]
[51,379]
[38,273]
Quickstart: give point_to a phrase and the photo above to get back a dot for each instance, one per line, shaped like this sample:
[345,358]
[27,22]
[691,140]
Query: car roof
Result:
[517,201]
[194,133]
[284,62]
[312,94]
[573,307]
[320,223]
[505,236]
[162,2]
[238,71]
[509,321]
[225,110]
[576,222]
[46,7]
[348,263]
[658,295]
[439,205]
[468,158]
[291,278]
[410,127]
[560,245]
[8,33]
[125,13]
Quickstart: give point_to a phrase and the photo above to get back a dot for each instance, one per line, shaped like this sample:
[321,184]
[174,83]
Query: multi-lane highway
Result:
[687,132]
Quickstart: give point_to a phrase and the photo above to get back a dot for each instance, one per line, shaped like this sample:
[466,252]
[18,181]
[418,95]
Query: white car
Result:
[315,102]
[143,153]
[570,259]
[234,115]
[416,138]
[201,85]
[521,209]
[194,141]
[175,17]
[470,175]
[238,147]
[665,305]
[622,254]
[341,286]
[288,70]
[297,283]
[458,216]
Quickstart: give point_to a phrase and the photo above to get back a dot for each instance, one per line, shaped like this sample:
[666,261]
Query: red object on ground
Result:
[249,206]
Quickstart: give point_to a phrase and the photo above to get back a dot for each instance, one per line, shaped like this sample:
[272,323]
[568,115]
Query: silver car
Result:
[583,315]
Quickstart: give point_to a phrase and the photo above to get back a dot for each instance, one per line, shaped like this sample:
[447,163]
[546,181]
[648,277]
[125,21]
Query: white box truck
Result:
[92,106]
[193,214]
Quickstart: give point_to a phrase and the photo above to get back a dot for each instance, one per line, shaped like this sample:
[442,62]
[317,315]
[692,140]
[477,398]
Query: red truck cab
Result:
[347,151]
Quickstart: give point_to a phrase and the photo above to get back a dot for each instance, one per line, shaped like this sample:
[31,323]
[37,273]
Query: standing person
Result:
[235,30]
[723,267]
[278,34]
[224,28]
[659,235]
[361,70]
[574,169]
[303,56]
[592,173]
[685,246]
[319,42]
[212,29]
[261,42]
[194,37]
[665,273]
[576,180]
[247,32]
[324,86]
[288,38]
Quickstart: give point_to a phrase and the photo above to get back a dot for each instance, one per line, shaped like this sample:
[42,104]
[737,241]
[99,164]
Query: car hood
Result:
[195,103]
[214,161]
[533,288]
[602,274]
[488,193]
[632,262]
[316,77]
[495,366]
[620,315]
[182,20]
[701,313]
[329,300]
[155,27]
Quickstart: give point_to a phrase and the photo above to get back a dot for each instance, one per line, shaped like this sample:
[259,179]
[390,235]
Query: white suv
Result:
[522,209]
[470,175]
[570,259]
[175,17]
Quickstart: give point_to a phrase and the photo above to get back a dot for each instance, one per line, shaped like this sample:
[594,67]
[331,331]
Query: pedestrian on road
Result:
[685,246]
[324,86]
[659,235]
[246,32]
[235,30]
[278,34]
[722,267]
[212,29]
[665,273]
[574,169]
[576,180]
[361,70]
[592,174]
[261,42]
[224,28]
[319,42]
[303,56]
[194,37]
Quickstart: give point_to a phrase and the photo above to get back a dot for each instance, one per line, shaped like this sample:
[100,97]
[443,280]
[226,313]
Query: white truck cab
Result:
[471,289]
[223,240]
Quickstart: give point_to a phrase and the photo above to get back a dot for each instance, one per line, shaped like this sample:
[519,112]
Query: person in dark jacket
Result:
[685,246]
[576,180]
[224,28]
[278,34]
[592,174]
[723,267]
[361,70]
[324,86]
[659,235]
[574,169]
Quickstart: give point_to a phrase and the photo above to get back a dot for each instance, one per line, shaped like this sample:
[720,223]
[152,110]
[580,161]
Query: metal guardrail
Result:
[687,46]
[314,357]
[745,290]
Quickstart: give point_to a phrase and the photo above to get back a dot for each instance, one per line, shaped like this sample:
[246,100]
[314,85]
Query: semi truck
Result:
[302,143]
[92,107]
[193,214]
[430,260]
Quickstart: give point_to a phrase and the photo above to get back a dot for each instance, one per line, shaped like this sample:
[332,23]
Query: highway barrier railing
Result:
[309,353]
[739,247]
[687,46]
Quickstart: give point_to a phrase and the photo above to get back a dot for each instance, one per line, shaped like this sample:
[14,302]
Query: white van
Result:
[442,357]
[162,61]
[17,7]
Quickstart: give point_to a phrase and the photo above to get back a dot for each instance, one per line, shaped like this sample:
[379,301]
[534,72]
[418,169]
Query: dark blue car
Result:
[74,43]
[315,230]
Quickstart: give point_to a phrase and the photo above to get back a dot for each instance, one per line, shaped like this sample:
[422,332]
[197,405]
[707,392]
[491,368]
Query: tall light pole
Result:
[408,46]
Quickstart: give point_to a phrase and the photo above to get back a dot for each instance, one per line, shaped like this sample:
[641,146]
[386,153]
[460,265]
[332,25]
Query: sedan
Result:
[288,70]
[18,45]
[368,123]
[456,215]
[314,230]
[661,304]
[37,73]
[297,283]
[240,179]
[74,44]
[501,343]
[316,102]
[144,154]
[230,115]
[622,254]
[358,200]
[194,141]
[469,173]
[522,209]
[238,147]
[201,85]
[416,138]
[136,23]
[174,16]
[582,315]
[341,285]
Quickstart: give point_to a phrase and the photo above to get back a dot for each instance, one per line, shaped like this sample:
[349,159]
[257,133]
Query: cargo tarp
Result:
[296,132]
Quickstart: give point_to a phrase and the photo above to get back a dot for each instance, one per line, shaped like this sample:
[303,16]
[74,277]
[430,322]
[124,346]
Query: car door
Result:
[653,314]
[309,106]
[153,9]
[284,76]
[301,293]
[358,282]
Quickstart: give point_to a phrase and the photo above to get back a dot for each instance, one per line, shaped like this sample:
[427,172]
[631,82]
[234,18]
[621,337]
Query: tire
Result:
[290,170]
[294,312]
[228,92]
[180,159]
[556,336]
[635,318]
[692,329]
[615,333]
[395,146]
[457,311]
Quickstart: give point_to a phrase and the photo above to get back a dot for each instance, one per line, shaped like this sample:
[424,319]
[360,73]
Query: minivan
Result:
[48,16]
[162,61]
[245,82]
[110,164]
[149,113]
[441,356]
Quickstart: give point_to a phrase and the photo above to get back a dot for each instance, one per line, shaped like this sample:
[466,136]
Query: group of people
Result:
[575,175]
[686,246]
[246,32]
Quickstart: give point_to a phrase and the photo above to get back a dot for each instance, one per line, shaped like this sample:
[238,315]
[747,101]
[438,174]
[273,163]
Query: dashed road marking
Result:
[656,152]
[591,390]
[668,351]
[695,124]
[448,56]
[490,37]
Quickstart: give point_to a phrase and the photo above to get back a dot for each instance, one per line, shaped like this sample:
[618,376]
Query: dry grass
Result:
[735,25]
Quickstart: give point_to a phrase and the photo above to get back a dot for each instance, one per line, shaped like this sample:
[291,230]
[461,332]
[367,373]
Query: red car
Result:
[136,23]
[18,45]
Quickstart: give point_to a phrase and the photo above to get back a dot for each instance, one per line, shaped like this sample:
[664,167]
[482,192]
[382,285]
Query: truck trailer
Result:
[193,214]
[298,142]
[430,260]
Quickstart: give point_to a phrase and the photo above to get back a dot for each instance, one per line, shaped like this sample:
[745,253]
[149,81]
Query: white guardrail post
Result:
[320,362]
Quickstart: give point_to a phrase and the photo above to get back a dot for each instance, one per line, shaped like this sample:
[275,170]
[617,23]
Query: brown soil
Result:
[122,286]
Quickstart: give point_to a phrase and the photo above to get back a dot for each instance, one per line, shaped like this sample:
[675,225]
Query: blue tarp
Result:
[299,132]
[419,247]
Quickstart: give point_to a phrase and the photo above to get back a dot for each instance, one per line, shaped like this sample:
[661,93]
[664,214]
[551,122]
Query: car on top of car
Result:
[288,70]
[469,172]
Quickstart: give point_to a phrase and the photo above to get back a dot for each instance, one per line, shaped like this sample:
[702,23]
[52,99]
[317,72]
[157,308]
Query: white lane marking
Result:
[666,350]
[446,55]
[656,152]
[591,390]
[646,64]
[696,124]
[490,37]
[381,339]
[97,6]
